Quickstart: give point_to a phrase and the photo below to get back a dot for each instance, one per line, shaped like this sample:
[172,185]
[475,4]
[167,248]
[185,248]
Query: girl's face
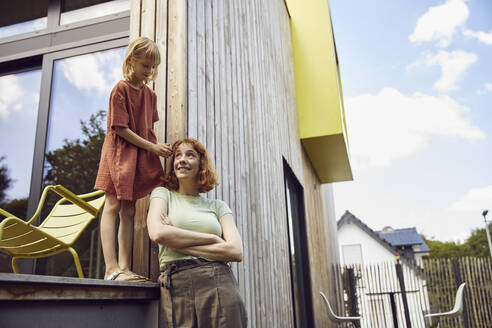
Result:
[186,162]
[143,69]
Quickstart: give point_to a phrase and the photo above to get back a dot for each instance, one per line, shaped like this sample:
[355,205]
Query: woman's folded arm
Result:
[173,237]
[228,249]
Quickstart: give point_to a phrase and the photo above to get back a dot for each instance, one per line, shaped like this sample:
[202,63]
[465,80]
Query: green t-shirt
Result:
[195,213]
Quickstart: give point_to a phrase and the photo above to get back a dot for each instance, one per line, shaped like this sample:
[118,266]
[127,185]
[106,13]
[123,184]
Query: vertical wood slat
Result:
[142,23]
[192,58]
[177,75]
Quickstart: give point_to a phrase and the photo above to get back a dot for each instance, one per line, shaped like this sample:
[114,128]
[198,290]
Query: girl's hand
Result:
[163,150]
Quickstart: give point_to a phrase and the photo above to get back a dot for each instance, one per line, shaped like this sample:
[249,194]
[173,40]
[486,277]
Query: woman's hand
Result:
[165,219]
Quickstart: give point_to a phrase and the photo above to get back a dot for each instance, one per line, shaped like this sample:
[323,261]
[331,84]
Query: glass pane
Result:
[19,98]
[24,27]
[294,269]
[93,11]
[76,130]
[22,16]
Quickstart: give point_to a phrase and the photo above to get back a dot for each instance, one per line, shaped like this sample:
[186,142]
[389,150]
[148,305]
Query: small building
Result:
[359,244]
[407,241]
[373,255]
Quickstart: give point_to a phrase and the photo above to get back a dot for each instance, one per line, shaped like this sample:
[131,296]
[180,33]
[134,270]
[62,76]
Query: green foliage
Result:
[18,207]
[5,180]
[75,164]
[475,245]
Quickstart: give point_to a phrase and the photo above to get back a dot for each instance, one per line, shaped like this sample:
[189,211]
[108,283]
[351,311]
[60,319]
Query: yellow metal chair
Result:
[57,233]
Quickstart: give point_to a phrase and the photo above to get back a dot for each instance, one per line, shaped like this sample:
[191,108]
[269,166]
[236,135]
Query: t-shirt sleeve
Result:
[119,110]
[160,192]
[155,114]
[221,209]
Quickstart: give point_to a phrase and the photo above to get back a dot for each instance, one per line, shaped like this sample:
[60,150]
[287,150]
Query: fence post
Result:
[459,281]
[352,298]
[399,273]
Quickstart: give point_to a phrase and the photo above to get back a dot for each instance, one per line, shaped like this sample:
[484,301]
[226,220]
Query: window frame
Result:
[34,50]
[302,274]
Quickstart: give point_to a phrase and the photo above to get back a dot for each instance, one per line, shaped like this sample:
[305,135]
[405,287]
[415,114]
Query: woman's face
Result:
[186,162]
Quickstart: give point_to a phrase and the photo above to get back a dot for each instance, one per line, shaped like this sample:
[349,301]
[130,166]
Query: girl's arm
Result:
[228,250]
[172,237]
[163,150]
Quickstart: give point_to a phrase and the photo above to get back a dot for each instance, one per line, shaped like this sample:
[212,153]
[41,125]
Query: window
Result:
[299,261]
[76,11]
[352,254]
[18,114]
[76,129]
[19,20]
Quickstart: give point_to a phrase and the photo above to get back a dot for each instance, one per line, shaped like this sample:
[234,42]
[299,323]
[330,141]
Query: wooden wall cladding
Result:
[227,79]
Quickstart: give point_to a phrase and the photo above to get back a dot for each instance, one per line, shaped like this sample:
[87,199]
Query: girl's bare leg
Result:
[125,234]
[108,233]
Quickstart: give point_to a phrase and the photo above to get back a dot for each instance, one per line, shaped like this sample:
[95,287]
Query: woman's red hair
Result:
[207,177]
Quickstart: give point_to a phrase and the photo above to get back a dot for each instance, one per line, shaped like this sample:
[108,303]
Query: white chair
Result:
[333,317]
[458,306]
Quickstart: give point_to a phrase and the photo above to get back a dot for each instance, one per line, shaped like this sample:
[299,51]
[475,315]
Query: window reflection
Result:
[19,99]
[71,12]
[77,126]
[24,27]
[16,19]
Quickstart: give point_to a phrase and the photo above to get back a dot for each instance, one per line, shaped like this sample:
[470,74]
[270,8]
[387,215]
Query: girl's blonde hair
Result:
[141,48]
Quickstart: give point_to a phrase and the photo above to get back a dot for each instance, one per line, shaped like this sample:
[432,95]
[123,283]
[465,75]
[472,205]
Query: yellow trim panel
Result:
[318,90]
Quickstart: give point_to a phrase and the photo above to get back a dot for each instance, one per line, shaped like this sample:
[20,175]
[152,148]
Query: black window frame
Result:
[302,275]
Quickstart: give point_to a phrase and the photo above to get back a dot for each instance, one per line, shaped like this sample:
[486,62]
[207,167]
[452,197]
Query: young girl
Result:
[130,167]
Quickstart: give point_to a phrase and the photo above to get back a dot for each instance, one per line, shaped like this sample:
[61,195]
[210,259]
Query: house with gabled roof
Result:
[372,255]
[407,241]
[359,244]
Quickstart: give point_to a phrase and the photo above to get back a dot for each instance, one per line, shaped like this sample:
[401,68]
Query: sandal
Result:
[136,277]
[132,277]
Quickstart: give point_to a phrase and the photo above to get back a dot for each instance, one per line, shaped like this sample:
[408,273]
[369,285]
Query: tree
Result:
[475,245]
[477,242]
[5,180]
[75,164]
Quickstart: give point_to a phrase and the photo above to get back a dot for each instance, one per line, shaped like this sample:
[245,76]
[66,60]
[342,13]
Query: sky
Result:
[417,85]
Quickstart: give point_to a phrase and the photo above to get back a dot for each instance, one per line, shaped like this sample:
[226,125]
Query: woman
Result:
[197,237]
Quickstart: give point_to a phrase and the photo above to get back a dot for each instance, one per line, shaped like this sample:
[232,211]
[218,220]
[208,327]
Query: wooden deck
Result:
[47,301]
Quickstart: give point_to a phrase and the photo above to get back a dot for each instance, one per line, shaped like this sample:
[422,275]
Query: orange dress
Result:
[126,170]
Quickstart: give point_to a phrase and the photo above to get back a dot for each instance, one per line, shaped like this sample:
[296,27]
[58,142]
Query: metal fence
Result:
[399,294]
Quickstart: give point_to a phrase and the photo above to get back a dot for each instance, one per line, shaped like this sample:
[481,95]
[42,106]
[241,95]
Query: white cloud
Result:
[487,87]
[481,36]
[390,125]
[10,96]
[88,72]
[476,199]
[453,67]
[440,23]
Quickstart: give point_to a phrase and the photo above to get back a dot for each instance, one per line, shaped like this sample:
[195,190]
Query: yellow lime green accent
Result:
[318,90]
[57,233]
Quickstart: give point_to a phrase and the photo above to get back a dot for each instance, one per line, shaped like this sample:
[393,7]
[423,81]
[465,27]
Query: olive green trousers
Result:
[201,294]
